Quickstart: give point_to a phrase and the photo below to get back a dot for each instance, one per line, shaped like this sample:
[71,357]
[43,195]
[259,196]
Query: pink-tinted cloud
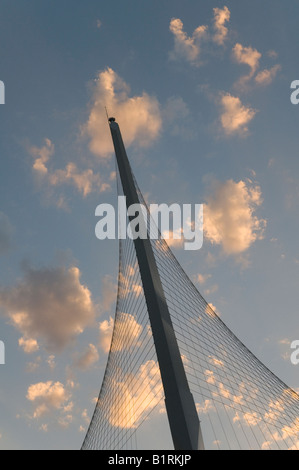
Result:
[235,116]
[221,17]
[138,116]
[186,47]
[229,216]
[50,305]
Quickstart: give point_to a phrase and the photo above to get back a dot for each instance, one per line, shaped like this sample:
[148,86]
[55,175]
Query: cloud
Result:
[138,116]
[125,287]
[235,116]
[52,398]
[126,334]
[47,396]
[207,407]
[6,232]
[85,181]
[185,47]
[221,17]
[211,310]
[251,57]
[202,278]
[266,76]
[106,331]
[174,239]
[88,358]
[229,216]
[143,390]
[49,304]
[248,56]
[29,345]
[42,156]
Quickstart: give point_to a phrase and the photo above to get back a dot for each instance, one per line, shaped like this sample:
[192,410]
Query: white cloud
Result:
[49,304]
[235,116]
[185,47]
[138,116]
[229,216]
[221,17]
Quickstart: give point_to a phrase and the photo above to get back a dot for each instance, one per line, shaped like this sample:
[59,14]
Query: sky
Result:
[201,91]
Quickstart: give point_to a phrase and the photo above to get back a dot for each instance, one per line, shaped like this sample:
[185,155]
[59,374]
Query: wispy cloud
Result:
[251,57]
[85,181]
[266,76]
[248,56]
[189,48]
[89,357]
[186,47]
[221,17]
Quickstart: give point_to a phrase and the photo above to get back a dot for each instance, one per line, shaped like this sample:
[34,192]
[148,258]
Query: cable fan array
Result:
[241,404]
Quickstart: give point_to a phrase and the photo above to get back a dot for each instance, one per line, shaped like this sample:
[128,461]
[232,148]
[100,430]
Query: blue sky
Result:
[201,91]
